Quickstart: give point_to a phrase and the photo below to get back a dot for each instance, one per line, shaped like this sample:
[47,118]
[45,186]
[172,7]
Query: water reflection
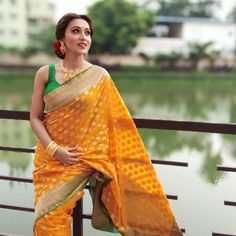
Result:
[15,133]
[182,100]
[17,163]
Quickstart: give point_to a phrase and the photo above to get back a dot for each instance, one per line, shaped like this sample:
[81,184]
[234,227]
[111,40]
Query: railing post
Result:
[78,218]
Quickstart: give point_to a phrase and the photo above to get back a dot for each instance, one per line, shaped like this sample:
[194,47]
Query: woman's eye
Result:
[87,32]
[75,30]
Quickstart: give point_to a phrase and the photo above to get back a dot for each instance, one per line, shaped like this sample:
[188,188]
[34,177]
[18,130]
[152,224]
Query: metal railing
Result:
[78,214]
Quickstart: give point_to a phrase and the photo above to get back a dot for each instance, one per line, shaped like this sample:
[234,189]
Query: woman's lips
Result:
[82,45]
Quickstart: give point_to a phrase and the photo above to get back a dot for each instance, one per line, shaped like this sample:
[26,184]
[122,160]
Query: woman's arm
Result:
[66,155]
[37,106]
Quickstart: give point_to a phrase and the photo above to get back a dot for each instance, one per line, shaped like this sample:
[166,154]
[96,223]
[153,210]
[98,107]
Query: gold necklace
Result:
[68,74]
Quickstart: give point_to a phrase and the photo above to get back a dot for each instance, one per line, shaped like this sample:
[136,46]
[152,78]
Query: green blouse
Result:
[52,83]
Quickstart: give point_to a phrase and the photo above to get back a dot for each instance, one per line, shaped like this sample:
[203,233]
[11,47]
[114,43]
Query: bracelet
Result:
[51,148]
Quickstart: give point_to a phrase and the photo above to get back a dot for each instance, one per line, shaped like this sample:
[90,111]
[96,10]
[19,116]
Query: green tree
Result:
[189,8]
[168,60]
[118,24]
[5,49]
[145,57]
[173,8]
[203,8]
[199,51]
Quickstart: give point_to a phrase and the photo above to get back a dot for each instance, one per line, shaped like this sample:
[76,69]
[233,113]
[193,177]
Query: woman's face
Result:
[77,37]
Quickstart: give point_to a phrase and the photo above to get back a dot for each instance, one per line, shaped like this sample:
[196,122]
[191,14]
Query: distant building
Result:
[20,19]
[174,33]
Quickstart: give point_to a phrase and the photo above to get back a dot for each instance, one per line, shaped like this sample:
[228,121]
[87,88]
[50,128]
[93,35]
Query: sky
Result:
[65,6]
[79,6]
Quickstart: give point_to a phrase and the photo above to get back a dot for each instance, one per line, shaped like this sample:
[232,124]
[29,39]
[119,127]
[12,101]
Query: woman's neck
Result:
[74,63]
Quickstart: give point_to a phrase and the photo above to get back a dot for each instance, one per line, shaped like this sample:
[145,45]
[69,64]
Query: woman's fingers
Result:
[76,148]
[72,156]
[71,162]
[77,154]
[71,149]
[72,159]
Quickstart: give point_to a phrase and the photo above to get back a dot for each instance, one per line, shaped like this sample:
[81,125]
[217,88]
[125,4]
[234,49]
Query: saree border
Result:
[57,196]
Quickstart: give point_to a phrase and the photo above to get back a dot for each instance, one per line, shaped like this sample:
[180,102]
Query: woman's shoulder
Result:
[43,70]
[42,73]
[101,70]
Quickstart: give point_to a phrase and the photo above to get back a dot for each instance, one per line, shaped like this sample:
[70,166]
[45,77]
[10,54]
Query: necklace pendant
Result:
[68,74]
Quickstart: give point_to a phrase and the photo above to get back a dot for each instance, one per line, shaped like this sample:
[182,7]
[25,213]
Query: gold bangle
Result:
[51,148]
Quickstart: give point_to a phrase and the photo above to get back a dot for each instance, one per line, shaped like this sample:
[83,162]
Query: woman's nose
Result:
[82,35]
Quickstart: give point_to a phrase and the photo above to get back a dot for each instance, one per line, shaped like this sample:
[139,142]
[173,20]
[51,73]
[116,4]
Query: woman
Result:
[88,136]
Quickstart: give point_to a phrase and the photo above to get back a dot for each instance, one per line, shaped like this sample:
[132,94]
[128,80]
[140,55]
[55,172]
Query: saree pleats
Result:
[90,113]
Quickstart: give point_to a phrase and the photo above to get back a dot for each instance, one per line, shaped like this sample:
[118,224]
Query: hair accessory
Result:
[56,45]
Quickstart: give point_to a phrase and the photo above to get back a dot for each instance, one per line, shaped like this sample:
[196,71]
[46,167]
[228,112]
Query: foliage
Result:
[202,8]
[169,61]
[199,51]
[118,25]
[172,58]
[4,49]
[145,57]
[196,52]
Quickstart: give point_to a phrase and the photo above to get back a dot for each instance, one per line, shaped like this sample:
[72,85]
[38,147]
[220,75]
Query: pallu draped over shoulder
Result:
[88,112]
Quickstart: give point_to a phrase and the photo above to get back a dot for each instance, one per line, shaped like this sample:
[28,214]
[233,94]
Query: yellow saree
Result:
[89,112]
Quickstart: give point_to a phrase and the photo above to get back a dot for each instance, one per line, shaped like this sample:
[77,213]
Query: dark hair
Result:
[62,25]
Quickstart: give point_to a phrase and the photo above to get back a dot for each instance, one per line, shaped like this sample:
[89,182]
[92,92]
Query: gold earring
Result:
[62,48]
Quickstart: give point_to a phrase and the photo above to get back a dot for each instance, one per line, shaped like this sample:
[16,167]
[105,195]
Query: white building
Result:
[19,19]
[175,33]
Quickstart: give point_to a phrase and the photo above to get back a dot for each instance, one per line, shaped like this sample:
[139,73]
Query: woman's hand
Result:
[67,155]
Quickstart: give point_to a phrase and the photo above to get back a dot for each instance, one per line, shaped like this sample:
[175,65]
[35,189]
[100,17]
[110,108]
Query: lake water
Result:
[201,190]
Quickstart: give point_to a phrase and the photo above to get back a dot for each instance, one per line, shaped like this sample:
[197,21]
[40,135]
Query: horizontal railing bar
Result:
[171,163]
[227,169]
[8,234]
[31,150]
[218,234]
[17,208]
[13,149]
[86,216]
[2,177]
[14,115]
[172,197]
[150,123]
[192,126]
[229,203]
[17,179]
